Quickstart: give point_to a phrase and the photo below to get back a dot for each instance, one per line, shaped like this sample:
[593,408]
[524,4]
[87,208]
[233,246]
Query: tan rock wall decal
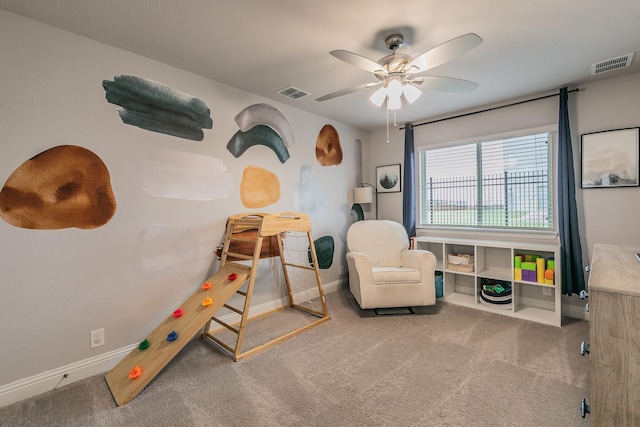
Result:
[328,148]
[259,187]
[65,186]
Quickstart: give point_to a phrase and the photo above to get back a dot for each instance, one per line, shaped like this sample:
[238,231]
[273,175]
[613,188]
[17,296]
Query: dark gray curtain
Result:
[408,192]
[571,250]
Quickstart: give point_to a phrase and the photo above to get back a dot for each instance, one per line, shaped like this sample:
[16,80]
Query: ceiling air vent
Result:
[611,64]
[292,92]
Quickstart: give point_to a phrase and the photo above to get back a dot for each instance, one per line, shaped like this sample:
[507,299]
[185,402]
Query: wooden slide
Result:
[174,333]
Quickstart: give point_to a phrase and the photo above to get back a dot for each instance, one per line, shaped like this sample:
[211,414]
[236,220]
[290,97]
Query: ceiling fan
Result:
[397,72]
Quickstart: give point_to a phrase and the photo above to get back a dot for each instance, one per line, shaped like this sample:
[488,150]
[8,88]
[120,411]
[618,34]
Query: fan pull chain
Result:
[387,122]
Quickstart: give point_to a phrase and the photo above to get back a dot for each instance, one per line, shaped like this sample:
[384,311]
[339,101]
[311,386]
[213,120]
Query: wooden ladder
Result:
[253,229]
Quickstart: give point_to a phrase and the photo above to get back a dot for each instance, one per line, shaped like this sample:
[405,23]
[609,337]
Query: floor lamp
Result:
[364,194]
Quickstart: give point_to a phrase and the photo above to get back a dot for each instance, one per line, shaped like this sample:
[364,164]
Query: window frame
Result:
[482,231]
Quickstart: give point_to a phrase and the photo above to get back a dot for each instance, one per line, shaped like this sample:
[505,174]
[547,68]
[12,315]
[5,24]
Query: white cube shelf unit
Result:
[494,260]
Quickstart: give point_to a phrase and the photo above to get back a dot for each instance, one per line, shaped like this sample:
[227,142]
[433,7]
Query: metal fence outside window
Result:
[511,199]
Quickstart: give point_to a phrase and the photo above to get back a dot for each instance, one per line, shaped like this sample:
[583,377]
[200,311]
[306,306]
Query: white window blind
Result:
[496,184]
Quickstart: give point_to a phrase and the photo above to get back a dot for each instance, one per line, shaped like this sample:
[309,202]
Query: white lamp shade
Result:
[394,88]
[394,102]
[363,195]
[411,92]
[378,96]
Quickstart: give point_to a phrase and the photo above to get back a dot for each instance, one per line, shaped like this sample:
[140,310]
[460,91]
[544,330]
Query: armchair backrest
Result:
[382,240]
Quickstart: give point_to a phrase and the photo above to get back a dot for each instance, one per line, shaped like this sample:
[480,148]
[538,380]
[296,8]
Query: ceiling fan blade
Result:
[358,60]
[348,91]
[443,53]
[445,84]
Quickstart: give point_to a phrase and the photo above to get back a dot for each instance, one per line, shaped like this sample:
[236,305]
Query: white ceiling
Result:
[530,48]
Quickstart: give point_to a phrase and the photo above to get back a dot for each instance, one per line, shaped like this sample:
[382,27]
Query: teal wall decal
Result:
[356,212]
[258,135]
[325,247]
[153,106]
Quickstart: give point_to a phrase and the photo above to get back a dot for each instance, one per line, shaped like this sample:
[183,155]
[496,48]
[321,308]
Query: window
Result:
[504,183]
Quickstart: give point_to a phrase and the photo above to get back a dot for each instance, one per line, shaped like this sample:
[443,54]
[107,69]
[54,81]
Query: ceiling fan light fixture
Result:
[394,102]
[394,89]
[378,96]
[411,93]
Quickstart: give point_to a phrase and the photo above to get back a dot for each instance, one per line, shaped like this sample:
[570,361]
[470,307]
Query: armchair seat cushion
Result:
[395,275]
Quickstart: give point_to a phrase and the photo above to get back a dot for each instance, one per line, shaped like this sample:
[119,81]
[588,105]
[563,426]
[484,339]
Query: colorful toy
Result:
[178,313]
[218,291]
[548,276]
[517,274]
[144,345]
[173,335]
[232,277]
[528,270]
[540,264]
[135,372]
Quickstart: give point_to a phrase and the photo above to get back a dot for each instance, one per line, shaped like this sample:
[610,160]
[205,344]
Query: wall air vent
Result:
[611,64]
[292,92]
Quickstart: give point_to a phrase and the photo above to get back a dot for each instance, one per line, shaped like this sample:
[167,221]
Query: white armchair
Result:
[383,272]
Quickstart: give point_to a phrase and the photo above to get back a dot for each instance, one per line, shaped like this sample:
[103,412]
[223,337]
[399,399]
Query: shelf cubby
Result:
[494,260]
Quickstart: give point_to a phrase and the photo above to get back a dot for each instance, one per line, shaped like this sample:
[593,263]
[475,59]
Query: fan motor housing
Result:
[394,41]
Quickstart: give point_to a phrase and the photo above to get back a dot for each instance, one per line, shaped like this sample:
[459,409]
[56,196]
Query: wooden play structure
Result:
[140,367]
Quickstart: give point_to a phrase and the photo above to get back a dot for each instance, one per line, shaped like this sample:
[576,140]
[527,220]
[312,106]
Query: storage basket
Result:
[460,259]
[460,262]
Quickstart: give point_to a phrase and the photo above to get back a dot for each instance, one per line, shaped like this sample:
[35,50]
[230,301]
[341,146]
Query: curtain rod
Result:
[489,109]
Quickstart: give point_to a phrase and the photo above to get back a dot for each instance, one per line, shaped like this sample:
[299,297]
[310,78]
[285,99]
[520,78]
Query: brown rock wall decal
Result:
[328,148]
[62,187]
[259,187]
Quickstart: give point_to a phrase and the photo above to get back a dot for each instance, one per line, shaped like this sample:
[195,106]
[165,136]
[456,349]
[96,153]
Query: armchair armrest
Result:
[424,261]
[360,273]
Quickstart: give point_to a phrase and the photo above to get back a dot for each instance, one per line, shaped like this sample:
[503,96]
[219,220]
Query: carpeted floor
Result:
[444,366]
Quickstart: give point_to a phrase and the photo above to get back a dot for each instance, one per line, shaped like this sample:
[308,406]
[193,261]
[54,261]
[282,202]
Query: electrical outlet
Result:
[546,292]
[97,338]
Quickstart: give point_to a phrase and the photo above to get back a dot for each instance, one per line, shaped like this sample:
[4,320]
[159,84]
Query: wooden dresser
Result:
[614,307]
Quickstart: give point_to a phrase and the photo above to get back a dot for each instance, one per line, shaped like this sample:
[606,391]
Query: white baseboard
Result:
[64,375]
[55,378]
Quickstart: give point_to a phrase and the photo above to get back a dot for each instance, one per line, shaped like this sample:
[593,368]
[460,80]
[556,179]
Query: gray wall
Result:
[607,215]
[57,285]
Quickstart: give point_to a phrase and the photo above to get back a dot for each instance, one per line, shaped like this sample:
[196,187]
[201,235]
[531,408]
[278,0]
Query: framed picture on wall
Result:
[388,178]
[610,158]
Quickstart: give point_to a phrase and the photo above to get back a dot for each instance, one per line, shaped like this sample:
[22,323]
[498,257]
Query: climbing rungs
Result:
[304,267]
[237,255]
[220,343]
[237,310]
[235,238]
[226,325]
[244,294]
[159,349]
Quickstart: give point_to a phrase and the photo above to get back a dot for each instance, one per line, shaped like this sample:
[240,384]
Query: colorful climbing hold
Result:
[144,345]
[207,302]
[135,372]
[206,286]
[232,276]
[173,335]
[178,313]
